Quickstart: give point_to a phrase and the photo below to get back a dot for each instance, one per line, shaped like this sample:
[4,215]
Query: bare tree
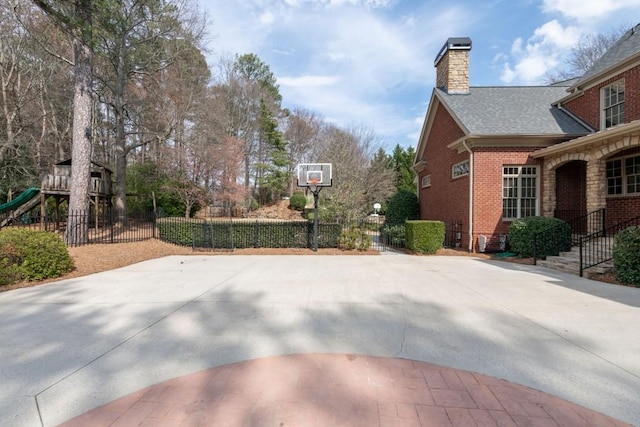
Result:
[138,38]
[355,187]
[584,55]
[301,131]
[35,94]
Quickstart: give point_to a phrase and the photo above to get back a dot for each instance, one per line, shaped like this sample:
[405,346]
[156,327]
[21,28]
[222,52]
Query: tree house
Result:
[57,185]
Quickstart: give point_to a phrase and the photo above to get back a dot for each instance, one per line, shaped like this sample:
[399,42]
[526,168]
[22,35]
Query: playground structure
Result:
[57,186]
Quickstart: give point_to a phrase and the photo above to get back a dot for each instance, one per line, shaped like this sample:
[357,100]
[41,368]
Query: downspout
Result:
[464,144]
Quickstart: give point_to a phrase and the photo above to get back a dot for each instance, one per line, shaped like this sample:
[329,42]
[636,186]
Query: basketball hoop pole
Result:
[314,176]
[316,191]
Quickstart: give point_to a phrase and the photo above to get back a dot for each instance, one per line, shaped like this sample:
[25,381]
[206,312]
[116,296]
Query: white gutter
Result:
[464,144]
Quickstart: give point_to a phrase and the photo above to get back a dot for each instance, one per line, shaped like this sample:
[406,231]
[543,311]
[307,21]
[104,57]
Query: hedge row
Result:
[237,235]
[424,237]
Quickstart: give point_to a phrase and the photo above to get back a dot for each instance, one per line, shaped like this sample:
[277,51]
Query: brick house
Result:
[489,155]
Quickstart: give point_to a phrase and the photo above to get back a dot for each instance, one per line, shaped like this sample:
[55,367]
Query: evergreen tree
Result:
[402,162]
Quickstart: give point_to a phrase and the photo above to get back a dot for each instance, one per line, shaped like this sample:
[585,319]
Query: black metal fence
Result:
[453,234]
[99,227]
[216,233]
[230,234]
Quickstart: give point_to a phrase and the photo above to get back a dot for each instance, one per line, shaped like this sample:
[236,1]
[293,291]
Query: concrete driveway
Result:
[71,346]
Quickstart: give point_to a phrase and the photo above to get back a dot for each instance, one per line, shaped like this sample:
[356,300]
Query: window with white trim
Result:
[460,169]
[519,192]
[425,181]
[623,176]
[613,106]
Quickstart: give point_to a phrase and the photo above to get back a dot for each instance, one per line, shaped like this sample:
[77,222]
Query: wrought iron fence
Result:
[216,233]
[99,227]
[230,234]
[453,234]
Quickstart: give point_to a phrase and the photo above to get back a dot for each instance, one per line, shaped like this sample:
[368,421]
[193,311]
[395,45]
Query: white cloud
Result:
[508,75]
[309,81]
[554,34]
[587,9]
[267,18]
[351,61]
[532,60]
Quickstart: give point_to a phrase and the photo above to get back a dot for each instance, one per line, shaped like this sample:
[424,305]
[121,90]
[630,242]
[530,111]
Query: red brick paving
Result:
[339,390]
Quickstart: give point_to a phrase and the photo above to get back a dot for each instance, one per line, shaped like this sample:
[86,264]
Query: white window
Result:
[613,104]
[519,192]
[623,176]
[460,169]
[425,181]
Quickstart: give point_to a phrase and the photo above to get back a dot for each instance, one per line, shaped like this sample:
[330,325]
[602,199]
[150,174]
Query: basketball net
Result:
[313,184]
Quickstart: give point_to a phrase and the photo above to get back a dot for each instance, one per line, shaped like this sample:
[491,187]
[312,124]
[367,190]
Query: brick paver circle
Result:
[339,390]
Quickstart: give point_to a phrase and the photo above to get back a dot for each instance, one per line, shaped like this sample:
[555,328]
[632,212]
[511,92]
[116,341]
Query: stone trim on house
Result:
[593,149]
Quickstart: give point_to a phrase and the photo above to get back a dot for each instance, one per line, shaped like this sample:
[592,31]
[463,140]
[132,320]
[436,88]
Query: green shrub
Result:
[626,256]
[393,235]
[298,201]
[402,207]
[556,239]
[9,266]
[254,205]
[355,238]
[424,237]
[246,234]
[32,255]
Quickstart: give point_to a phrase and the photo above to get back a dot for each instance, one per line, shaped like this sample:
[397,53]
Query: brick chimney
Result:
[452,65]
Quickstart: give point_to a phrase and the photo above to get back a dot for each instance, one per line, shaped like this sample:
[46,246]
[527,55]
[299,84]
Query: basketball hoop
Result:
[314,176]
[313,184]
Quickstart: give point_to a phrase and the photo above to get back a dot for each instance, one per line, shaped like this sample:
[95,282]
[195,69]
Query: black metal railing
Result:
[555,238]
[582,223]
[569,214]
[597,248]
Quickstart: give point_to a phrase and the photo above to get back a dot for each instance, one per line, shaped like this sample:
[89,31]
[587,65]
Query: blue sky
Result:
[369,63]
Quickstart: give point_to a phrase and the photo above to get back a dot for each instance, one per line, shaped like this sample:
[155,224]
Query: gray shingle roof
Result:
[512,110]
[627,46]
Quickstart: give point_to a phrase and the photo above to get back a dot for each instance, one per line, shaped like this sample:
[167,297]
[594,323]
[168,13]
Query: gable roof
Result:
[627,47]
[511,110]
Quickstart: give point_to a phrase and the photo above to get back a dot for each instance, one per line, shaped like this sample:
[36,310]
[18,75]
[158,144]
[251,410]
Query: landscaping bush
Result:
[32,255]
[424,237]
[522,231]
[298,201]
[355,238]
[626,256]
[393,235]
[246,234]
[403,206]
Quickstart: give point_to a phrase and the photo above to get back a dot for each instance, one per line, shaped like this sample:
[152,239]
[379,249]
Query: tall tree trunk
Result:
[77,224]
[121,167]
[121,136]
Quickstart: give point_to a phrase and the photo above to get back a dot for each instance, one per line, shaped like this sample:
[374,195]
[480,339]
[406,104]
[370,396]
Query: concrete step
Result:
[569,262]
